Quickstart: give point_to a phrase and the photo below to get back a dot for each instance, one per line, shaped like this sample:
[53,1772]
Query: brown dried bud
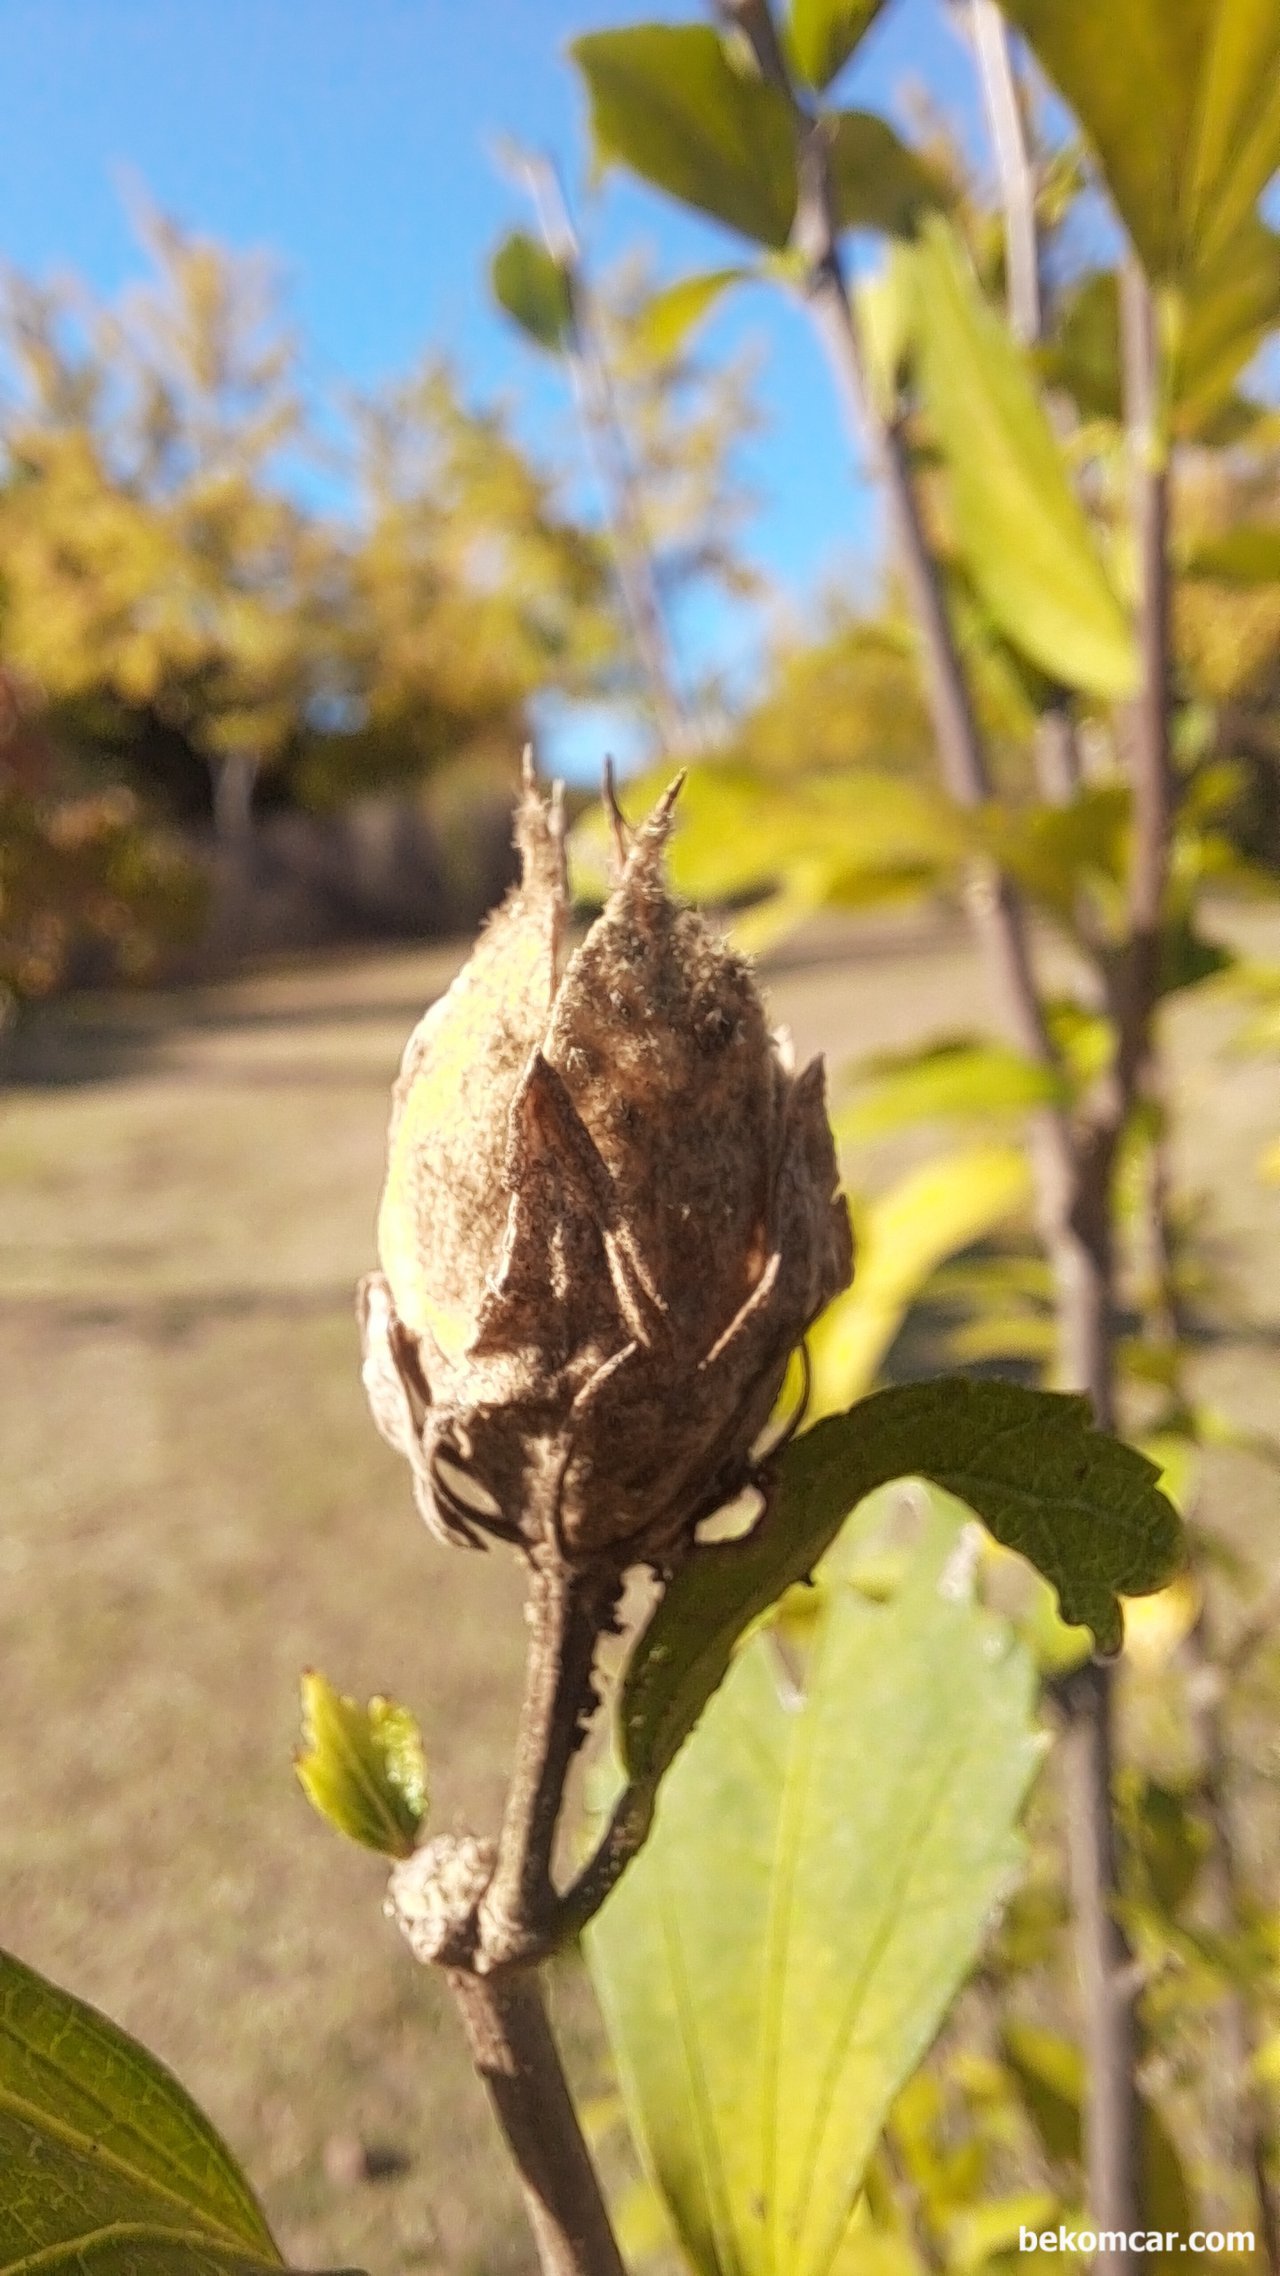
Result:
[610,1215]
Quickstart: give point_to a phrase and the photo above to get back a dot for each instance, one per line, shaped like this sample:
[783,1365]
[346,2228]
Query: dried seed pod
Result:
[610,1215]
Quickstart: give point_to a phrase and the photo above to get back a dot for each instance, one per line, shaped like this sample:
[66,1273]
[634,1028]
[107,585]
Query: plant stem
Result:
[518,1917]
[1244,2132]
[513,2050]
[1057,751]
[489,1917]
[1056,742]
[1151,768]
[1013,166]
[1108,1979]
[1073,1166]
[602,430]
[1072,1174]
[1246,2127]
[1112,2117]
[995,905]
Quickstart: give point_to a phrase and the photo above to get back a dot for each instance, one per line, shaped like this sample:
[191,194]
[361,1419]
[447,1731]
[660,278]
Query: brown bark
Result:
[516,2057]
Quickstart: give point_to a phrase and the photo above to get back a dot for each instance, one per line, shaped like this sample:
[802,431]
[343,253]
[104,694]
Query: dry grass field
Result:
[196,1507]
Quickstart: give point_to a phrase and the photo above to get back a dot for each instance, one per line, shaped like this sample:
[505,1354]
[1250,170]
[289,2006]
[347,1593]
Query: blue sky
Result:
[356,139]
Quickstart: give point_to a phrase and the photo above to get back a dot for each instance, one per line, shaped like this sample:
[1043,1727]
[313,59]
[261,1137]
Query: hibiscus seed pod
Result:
[610,1215]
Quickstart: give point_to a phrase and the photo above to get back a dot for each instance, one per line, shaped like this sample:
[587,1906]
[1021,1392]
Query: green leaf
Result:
[1171,1840]
[1227,309]
[1054,850]
[1222,315]
[105,2161]
[887,321]
[1188,957]
[955,1076]
[902,1236]
[666,321]
[1182,106]
[1023,533]
[1050,2076]
[739,832]
[817,1884]
[1082,1508]
[834,884]
[988,2235]
[362,1768]
[1082,355]
[876,181]
[535,289]
[1084,1040]
[1049,2072]
[821,35]
[1249,554]
[870,2248]
[1013,1338]
[669,101]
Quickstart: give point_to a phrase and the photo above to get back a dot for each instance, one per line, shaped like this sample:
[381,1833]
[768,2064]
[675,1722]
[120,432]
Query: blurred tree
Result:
[463,591]
[204,635]
[78,869]
[157,578]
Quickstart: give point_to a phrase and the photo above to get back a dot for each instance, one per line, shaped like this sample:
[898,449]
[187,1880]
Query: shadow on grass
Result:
[82,1040]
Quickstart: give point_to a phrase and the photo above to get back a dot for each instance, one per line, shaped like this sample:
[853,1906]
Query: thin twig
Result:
[1244,2119]
[566,1612]
[1112,2141]
[1072,1177]
[996,907]
[1113,2117]
[1056,743]
[516,2056]
[1248,2133]
[487,1917]
[1073,1166]
[1013,167]
[1151,765]
[602,431]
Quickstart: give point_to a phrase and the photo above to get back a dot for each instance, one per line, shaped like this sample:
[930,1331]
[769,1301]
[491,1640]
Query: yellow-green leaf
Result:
[959,1076]
[902,1236]
[1249,554]
[362,1768]
[666,321]
[817,1884]
[1022,531]
[821,35]
[1181,101]
[1053,850]
[1219,319]
[672,102]
[1049,2072]
[886,321]
[828,834]
[1225,311]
